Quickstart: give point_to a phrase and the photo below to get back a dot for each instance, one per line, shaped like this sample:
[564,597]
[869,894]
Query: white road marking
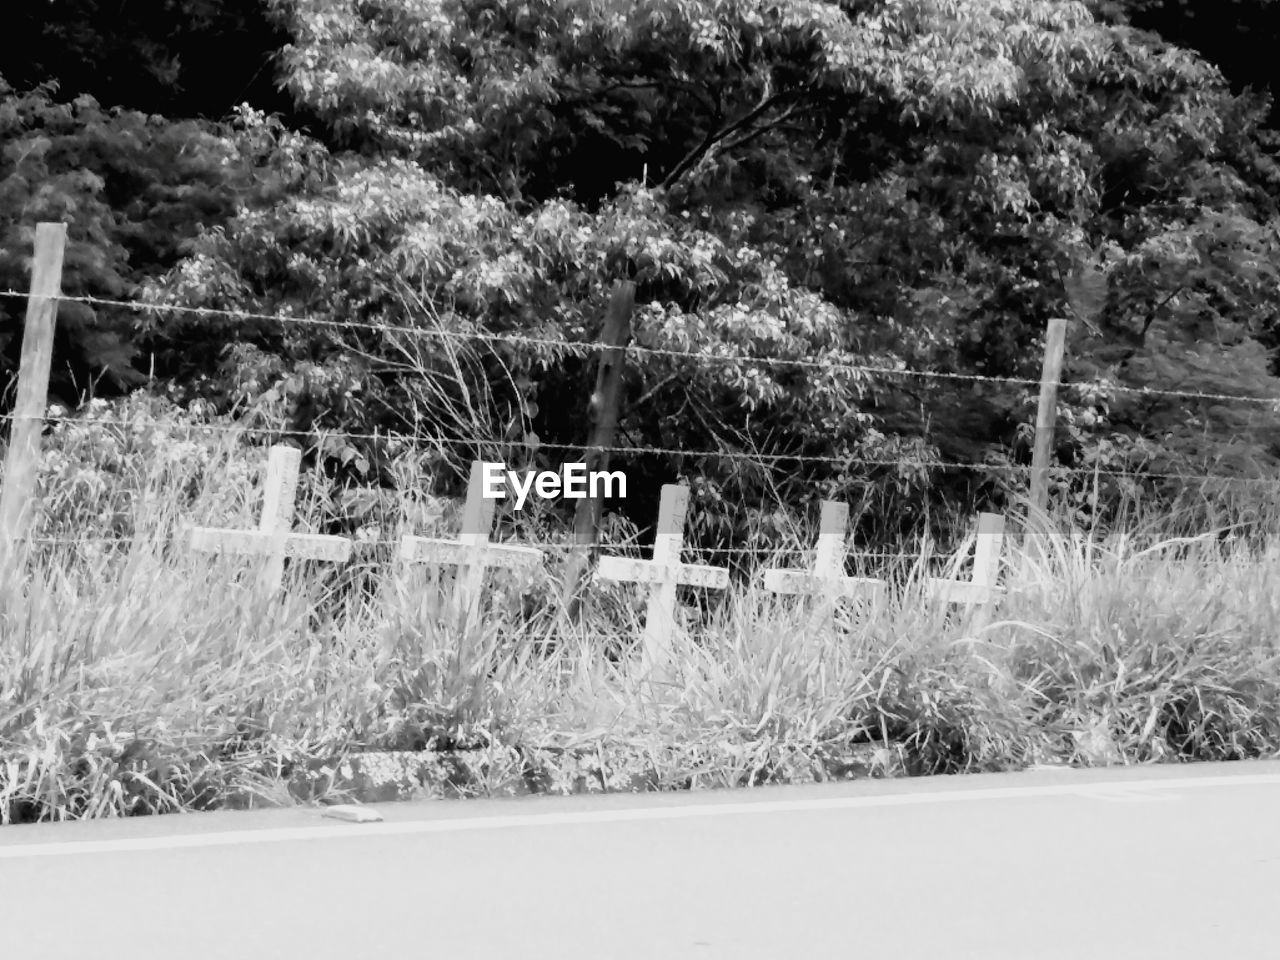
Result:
[687,812]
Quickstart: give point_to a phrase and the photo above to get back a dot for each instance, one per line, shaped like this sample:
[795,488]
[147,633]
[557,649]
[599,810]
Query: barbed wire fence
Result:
[42,301]
[717,353]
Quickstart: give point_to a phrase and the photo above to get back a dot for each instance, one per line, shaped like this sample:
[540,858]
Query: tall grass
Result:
[138,678]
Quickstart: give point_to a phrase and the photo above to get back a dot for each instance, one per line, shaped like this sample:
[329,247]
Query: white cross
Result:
[826,579]
[665,572]
[982,588]
[273,539]
[471,552]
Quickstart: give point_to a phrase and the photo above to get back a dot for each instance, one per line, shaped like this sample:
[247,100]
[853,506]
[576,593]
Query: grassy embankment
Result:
[135,678]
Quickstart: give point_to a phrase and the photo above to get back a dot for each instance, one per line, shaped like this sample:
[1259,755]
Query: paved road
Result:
[1153,862]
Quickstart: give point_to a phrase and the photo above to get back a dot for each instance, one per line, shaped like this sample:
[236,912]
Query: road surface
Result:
[1159,862]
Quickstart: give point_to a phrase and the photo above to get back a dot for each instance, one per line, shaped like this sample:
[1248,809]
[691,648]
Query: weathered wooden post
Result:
[22,458]
[1047,412]
[472,552]
[273,539]
[604,410]
[665,572]
[826,579]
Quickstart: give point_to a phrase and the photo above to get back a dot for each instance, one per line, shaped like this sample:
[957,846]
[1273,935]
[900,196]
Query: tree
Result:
[135,191]
[179,58]
[1237,36]
[869,183]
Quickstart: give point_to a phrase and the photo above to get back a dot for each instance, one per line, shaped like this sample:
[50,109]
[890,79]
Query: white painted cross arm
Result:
[627,569]
[808,583]
[433,551]
[982,588]
[827,579]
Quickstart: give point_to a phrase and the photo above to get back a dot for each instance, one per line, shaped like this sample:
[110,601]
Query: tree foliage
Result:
[135,190]
[1240,36]
[868,183]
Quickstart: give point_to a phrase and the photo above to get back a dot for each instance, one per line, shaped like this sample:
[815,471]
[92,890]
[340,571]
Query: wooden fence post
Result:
[604,410]
[22,459]
[665,572]
[1047,413]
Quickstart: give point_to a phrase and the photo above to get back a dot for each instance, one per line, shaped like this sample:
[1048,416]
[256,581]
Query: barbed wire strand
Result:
[537,544]
[731,455]
[937,558]
[588,348]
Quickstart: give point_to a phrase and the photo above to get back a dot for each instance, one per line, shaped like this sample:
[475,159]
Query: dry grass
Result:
[137,678]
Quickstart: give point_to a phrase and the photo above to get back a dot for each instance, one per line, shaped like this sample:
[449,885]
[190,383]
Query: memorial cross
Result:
[472,552]
[273,539]
[981,589]
[664,572]
[826,579]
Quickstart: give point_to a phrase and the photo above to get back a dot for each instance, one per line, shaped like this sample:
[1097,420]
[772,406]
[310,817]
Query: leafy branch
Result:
[716,138]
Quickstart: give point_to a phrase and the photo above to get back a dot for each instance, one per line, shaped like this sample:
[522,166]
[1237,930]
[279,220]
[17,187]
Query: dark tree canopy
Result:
[1240,36]
[181,58]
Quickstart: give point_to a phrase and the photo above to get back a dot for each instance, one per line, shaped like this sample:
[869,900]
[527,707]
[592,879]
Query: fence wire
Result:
[549,545]
[713,354]
[317,435]
[708,355]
